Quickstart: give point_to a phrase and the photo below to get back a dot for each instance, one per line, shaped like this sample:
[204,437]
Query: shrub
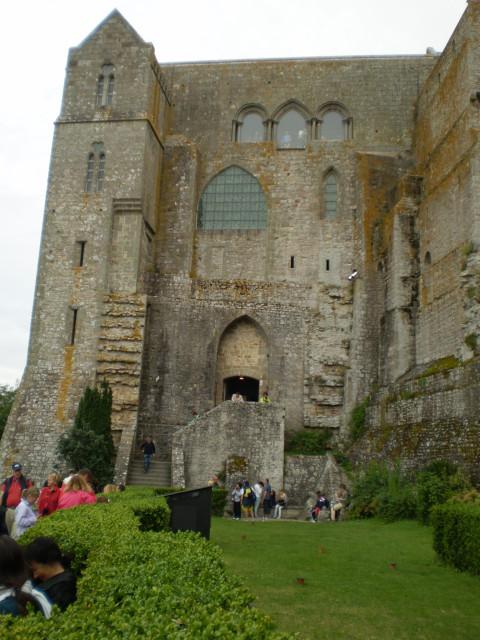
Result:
[435,485]
[89,442]
[456,534]
[308,442]
[383,492]
[7,396]
[140,584]
[219,500]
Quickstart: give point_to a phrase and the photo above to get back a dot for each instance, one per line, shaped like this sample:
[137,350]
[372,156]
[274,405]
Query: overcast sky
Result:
[35,38]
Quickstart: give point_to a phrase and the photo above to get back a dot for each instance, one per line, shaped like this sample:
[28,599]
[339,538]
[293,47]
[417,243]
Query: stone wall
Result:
[304,475]
[248,430]
[431,417]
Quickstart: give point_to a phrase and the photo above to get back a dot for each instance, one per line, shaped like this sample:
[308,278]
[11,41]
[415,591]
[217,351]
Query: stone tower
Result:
[100,217]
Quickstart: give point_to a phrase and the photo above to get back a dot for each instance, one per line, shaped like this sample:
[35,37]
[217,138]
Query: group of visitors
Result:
[324,509]
[264,398]
[249,499]
[39,573]
[22,502]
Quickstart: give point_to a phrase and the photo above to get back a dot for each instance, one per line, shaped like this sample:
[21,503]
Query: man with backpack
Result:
[12,490]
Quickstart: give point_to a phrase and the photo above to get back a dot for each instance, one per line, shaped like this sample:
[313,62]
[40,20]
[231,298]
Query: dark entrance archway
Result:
[247,387]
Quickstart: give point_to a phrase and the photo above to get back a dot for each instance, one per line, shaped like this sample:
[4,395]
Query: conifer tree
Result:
[89,442]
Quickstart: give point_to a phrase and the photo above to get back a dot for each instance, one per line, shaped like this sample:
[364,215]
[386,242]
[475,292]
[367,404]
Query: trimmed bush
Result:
[140,584]
[456,534]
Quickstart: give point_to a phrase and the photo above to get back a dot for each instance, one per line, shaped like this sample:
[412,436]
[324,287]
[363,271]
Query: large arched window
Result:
[233,199]
[291,130]
[330,194]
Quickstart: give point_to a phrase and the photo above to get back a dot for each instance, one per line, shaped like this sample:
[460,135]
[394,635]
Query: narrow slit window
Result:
[292,262]
[327,265]
[81,252]
[73,325]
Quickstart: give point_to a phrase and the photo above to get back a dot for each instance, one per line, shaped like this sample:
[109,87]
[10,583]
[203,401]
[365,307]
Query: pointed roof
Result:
[113,16]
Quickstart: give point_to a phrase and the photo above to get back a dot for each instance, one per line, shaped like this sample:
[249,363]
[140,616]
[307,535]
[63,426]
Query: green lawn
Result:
[352,588]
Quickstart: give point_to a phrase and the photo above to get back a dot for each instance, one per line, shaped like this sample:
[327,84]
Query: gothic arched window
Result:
[334,122]
[291,130]
[330,194]
[251,128]
[233,199]
[105,86]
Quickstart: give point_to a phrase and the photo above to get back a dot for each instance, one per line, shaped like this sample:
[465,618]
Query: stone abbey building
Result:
[306,227]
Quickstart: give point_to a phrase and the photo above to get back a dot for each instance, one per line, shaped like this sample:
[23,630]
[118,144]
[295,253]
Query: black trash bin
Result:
[191,510]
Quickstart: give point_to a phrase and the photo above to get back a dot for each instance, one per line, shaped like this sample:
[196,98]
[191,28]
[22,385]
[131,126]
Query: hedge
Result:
[456,535]
[136,583]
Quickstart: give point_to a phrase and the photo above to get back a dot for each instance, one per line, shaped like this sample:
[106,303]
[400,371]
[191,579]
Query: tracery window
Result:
[105,86]
[233,199]
[330,193]
[291,131]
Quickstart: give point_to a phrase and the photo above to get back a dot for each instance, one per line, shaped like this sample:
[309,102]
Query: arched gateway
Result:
[241,361]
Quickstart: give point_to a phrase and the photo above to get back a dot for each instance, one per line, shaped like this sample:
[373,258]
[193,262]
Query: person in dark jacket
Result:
[16,591]
[50,571]
[148,449]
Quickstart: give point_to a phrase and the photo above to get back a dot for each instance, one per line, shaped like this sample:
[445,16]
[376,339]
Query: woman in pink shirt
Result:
[75,492]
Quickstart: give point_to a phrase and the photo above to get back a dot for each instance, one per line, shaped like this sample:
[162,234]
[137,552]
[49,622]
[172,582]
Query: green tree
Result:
[7,396]
[89,442]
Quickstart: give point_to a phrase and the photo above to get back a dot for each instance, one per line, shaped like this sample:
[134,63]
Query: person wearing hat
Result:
[12,490]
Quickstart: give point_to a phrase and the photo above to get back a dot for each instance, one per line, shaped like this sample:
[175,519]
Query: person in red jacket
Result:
[49,495]
[11,491]
[75,493]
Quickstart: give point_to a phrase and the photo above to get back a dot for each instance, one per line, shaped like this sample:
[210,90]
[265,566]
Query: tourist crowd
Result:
[39,573]
[248,500]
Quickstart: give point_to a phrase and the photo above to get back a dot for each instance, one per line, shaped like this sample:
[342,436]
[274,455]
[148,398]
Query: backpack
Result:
[248,497]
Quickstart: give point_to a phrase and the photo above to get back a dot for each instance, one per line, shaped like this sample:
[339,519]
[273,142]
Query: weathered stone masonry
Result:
[170,312]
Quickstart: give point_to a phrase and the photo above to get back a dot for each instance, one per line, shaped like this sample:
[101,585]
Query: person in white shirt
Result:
[258,491]
[25,516]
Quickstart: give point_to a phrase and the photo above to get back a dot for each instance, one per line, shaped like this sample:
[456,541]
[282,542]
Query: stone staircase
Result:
[159,474]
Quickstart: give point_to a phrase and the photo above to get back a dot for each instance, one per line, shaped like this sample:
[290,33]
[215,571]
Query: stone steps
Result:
[159,474]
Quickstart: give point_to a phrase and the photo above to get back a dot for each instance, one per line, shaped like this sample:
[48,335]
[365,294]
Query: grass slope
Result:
[352,590]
